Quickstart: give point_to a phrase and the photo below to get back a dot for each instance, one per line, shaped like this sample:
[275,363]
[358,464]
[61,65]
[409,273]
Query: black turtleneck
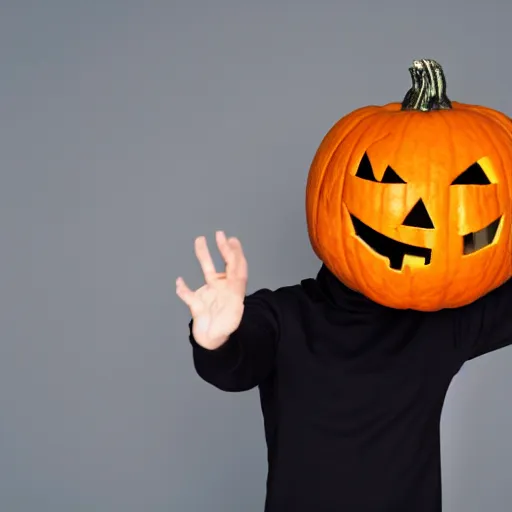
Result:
[352,391]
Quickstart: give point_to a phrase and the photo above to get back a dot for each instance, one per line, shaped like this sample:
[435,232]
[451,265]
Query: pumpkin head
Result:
[410,204]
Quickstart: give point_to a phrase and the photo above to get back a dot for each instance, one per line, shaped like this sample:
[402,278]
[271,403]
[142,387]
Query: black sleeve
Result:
[486,324]
[247,357]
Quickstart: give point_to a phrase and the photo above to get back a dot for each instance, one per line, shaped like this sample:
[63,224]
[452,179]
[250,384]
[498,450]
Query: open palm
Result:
[218,305]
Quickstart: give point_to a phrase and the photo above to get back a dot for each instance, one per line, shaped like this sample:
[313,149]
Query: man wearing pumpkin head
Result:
[408,207]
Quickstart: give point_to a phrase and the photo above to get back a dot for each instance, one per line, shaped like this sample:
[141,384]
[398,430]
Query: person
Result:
[351,390]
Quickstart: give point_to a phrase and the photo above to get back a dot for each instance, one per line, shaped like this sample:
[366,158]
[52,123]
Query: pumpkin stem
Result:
[428,91]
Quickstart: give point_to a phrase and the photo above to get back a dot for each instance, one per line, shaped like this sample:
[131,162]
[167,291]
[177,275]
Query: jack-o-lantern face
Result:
[411,205]
[398,253]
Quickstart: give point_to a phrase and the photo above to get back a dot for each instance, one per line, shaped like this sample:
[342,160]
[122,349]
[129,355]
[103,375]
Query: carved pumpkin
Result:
[410,204]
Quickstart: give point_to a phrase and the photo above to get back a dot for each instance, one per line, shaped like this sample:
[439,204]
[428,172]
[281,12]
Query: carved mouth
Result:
[479,239]
[396,252]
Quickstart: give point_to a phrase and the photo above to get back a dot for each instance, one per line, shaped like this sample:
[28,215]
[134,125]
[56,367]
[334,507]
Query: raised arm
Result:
[233,337]
[486,325]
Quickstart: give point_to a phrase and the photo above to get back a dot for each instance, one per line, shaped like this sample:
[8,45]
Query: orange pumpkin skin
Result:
[428,149]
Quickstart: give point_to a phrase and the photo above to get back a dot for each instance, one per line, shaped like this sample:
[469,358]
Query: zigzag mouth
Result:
[391,249]
[396,252]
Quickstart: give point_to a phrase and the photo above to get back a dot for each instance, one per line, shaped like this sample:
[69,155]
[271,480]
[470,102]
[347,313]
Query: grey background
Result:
[128,128]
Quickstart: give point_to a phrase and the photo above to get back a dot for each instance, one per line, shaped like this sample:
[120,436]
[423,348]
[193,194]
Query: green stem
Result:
[428,91]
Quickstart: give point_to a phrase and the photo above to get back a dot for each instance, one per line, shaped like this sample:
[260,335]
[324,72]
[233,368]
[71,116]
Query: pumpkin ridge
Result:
[449,276]
[350,158]
[332,146]
[325,168]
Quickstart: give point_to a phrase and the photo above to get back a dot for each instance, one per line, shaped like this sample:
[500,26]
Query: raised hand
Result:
[217,306]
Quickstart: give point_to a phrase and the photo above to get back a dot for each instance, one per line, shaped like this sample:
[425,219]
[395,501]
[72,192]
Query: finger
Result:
[205,259]
[184,292]
[239,270]
[226,251]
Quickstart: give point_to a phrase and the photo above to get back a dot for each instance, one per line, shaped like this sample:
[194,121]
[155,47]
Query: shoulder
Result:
[287,298]
[491,303]
[486,324]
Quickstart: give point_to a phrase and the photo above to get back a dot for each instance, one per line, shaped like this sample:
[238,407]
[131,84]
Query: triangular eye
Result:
[473,175]
[365,171]
[390,176]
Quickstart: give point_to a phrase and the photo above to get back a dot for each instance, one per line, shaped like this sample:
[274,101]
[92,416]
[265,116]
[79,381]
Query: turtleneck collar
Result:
[341,296]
